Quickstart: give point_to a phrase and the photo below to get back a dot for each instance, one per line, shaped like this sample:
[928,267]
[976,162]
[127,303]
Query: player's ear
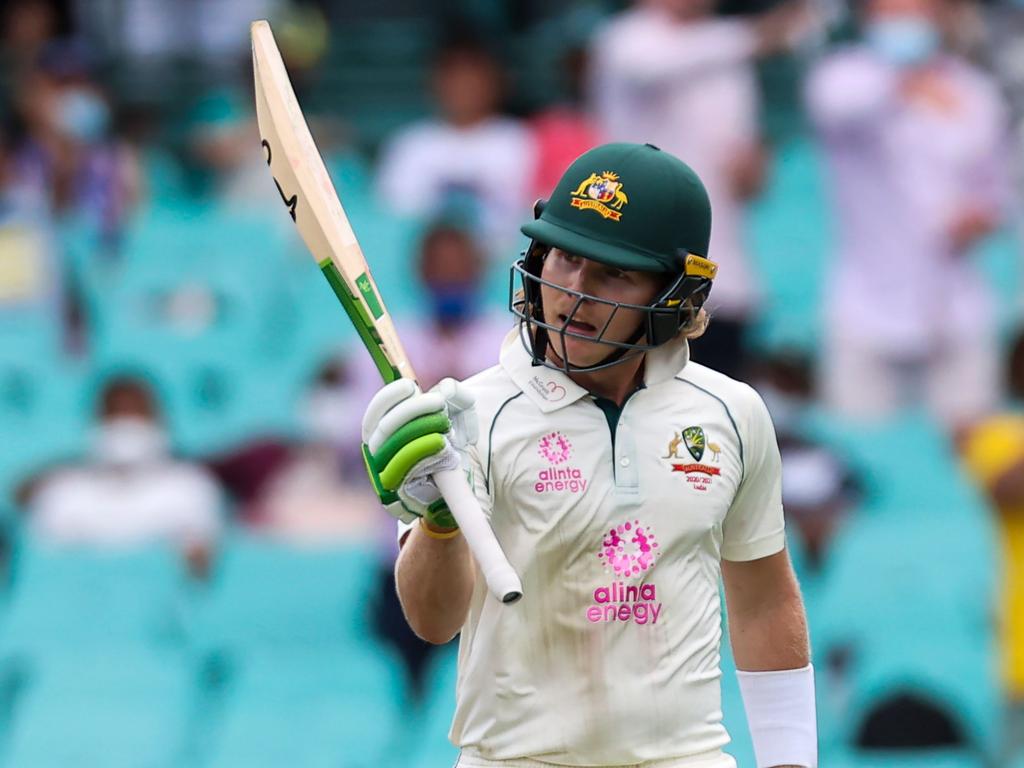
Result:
[539,206]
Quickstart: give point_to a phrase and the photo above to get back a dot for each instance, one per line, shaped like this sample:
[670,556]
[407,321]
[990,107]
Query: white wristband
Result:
[780,714]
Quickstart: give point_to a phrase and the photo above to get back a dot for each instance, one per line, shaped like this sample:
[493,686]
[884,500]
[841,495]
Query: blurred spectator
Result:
[993,450]
[563,131]
[26,25]
[668,73]
[915,138]
[30,279]
[818,494]
[456,334]
[320,494]
[214,32]
[818,487]
[129,492]
[68,152]
[469,161]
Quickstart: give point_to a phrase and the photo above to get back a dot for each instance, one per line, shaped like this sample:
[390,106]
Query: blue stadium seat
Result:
[272,595]
[326,707]
[101,708]
[949,667]
[789,231]
[63,597]
[43,419]
[425,739]
[907,759]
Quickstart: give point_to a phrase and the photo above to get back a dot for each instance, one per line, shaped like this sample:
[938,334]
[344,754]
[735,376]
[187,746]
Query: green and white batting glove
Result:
[408,435]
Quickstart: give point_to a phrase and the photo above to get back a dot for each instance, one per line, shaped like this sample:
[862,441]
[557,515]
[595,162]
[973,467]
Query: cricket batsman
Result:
[623,481]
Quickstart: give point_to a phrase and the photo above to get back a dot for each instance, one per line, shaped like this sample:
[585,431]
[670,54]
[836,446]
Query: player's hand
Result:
[408,435]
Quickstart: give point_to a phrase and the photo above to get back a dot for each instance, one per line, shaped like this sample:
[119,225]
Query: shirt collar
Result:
[550,389]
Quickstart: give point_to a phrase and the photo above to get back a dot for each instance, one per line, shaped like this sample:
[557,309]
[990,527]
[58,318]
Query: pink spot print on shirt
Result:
[628,557]
[555,448]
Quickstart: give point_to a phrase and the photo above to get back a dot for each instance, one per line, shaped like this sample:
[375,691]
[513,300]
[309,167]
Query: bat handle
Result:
[501,579]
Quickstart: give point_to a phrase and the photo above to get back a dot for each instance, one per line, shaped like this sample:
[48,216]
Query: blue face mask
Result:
[83,115]
[905,42]
[453,304]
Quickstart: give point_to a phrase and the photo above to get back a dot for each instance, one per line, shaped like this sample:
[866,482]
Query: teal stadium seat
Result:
[194,299]
[43,419]
[789,232]
[103,709]
[93,659]
[330,706]
[267,594]
[913,759]
[83,598]
[424,740]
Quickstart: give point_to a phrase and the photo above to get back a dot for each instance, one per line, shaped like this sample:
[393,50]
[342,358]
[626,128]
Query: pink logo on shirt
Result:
[559,477]
[628,549]
[555,448]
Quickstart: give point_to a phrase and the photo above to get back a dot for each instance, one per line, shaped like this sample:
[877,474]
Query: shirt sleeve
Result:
[754,525]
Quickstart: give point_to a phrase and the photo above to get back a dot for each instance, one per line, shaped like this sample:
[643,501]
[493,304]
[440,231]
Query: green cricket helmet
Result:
[633,207]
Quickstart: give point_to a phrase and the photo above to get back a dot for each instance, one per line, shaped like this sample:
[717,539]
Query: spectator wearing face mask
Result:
[129,491]
[68,149]
[457,334]
[915,140]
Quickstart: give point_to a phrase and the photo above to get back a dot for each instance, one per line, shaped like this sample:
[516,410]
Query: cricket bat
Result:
[312,202]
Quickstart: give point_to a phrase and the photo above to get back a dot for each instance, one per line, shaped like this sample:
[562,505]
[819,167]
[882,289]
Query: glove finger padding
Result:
[459,402]
[387,397]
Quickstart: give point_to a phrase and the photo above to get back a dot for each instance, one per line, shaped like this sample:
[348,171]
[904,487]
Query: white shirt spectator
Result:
[900,174]
[433,164]
[903,301]
[688,88]
[117,502]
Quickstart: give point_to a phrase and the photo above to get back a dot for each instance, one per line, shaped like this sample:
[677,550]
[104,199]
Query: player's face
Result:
[601,281]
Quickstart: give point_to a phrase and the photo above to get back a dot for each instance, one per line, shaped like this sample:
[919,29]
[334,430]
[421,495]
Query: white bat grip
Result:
[501,579]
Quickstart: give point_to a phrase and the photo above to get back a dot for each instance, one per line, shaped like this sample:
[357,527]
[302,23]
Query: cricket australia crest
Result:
[601,193]
[698,475]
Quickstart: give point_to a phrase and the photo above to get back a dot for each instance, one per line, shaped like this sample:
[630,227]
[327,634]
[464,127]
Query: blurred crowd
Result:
[116,115]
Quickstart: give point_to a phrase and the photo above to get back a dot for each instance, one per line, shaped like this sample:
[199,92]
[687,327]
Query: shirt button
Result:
[624,461]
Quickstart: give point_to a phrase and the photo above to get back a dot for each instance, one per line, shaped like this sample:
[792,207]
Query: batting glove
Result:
[408,435]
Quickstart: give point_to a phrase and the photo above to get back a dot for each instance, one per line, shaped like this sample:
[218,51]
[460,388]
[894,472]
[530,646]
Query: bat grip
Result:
[501,578]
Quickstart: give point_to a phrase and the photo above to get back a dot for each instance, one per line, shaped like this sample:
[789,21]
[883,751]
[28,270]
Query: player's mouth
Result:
[578,326]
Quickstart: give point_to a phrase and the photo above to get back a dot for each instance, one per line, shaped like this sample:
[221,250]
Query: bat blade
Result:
[313,204]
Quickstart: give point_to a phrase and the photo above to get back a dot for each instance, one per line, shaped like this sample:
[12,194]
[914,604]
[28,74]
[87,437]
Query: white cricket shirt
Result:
[612,655]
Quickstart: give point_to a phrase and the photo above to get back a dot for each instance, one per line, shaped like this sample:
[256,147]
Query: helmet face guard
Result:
[672,310]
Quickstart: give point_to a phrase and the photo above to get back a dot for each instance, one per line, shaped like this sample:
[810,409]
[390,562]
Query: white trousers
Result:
[713,759]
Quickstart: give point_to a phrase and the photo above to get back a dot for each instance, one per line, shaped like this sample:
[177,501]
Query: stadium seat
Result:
[101,708]
[70,597]
[267,594]
[327,707]
[907,759]
[425,739]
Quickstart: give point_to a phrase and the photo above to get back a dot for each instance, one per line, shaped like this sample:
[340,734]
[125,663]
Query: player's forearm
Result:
[435,583]
[772,638]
